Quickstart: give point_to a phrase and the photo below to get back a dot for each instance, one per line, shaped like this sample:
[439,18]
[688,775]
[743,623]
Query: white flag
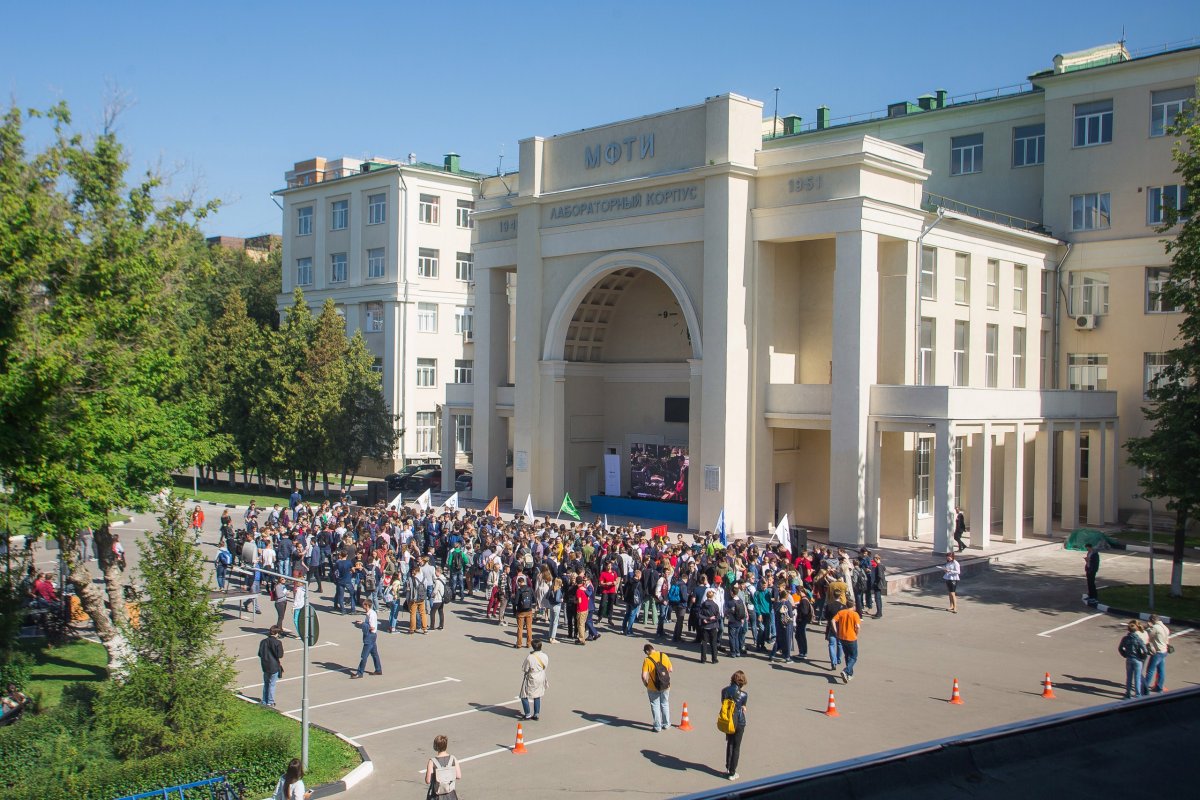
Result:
[425,500]
[396,503]
[784,533]
[528,510]
[451,502]
[606,522]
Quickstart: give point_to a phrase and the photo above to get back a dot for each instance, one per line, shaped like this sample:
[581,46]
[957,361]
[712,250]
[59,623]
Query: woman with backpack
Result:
[291,784]
[443,772]
[732,721]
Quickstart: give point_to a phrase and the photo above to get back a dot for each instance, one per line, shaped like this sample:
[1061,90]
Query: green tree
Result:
[223,270]
[177,690]
[363,426]
[1170,454]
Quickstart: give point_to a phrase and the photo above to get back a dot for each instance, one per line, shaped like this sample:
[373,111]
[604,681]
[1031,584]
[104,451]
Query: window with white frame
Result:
[921,461]
[928,273]
[377,365]
[427,262]
[1087,292]
[339,215]
[462,433]
[376,209]
[429,209]
[1166,105]
[427,372]
[374,318]
[464,370]
[1093,123]
[993,284]
[991,356]
[1018,358]
[960,444]
[925,348]
[427,432]
[1085,446]
[1158,198]
[1048,278]
[1087,372]
[1029,145]
[304,218]
[464,319]
[1044,364]
[966,154]
[962,352]
[1153,365]
[1020,283]
[1090,212]
[427,314]
[304,274]
[962,278]
[337,268]
[464,267]
[464,214]
[1156,281]
[375,266]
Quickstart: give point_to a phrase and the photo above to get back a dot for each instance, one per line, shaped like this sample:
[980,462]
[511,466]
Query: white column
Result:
[1114,462]
[489,431]
[1043,480]
[696,488]
[856,332]
[1096,459]
[1014,484]
[1069,517]
[943,493]
[981,488]
[393,370]
[874,468]
[447,449]
[527,430]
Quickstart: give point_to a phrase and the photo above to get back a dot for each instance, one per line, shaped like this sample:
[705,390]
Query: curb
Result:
[1188,552]
[932,575]
[1142,615]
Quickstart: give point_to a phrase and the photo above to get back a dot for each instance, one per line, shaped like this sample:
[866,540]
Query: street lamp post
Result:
[1150,502]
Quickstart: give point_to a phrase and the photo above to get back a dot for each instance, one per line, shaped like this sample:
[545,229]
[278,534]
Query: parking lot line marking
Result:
[433,719]
[1183,632]
[237,636]
[297,650]
[298,677]
[1069,624]
[531,741]
[376,694]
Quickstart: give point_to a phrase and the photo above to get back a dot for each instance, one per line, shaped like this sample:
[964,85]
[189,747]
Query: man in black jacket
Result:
[270,656]
[709,617]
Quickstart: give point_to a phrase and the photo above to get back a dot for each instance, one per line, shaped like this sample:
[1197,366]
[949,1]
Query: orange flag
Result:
[493,508]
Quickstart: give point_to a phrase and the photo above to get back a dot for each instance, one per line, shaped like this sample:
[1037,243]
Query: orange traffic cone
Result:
[519,747]
[684,724]
[956,698]
[1048,688]
[831,709]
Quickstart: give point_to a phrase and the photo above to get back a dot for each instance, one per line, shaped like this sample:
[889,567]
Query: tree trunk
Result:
[1181,522]
[107,613]
[325,482]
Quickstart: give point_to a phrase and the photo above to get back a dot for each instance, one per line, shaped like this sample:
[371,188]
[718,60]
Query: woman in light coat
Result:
[534,681]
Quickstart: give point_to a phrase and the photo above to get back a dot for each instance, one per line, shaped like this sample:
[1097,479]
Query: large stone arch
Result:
[560,320]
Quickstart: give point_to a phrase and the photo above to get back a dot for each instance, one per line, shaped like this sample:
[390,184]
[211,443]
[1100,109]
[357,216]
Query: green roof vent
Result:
[451,163]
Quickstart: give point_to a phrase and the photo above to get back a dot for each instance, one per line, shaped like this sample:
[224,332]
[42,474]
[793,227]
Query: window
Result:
[960,443]
[1047,293]
[1087,293]
[1087,371]
[427,317]
[993,284]
[464,319]
[377,365]
[337,268]
[925,364]
[924,448]
[464,267]
[1020,281]
[427,429]
[376,209]
[464,370]
[374,318]
[427,263]
[1159,198]
[1090,211]
[427,372]
[1085,446]
[462,433]
[962,278]
[1156,281]
[463,215]
[1044,364]
[962,352]
[304,221]
[304,272]
[339,215]
[375,262]
[1093,123]
[429,209]
[966,154]
[991,359]
[928,273]
[1154,364]
[1018,356]
[1029,145]
[1165,106]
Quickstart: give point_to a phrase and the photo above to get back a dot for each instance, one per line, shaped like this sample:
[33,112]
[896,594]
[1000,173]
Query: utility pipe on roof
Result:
[400,370]
[941,214]
[1057,299]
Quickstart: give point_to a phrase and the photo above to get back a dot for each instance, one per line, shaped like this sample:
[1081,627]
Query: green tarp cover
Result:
[1080,538]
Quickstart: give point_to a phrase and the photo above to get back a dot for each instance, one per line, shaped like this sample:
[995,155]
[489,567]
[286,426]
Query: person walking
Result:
[960,527]
[1133,647]
[197,522]
[952,574]
[1091,566]
[1158,636]
[709,617]
[270,657]
[534,681]
[291,783]
[656,677]
[370,634]
[846,624]
[443,771]
[224,561]
[735,695]
[523,605]
[878,583]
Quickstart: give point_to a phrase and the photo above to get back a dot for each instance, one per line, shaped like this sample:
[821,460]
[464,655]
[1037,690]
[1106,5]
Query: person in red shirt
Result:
[43,588]
[608,592]
[581,609]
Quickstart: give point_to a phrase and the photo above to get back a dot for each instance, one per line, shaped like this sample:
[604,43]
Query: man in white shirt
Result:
[370,632]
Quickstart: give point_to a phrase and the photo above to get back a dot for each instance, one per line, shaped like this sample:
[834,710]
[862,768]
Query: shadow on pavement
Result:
[1091,686]
[830,676]
[488,640]
[676,763]
[614,721]
[492,708]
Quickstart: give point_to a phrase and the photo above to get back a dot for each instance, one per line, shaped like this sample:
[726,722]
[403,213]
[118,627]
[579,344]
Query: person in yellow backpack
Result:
[731,720]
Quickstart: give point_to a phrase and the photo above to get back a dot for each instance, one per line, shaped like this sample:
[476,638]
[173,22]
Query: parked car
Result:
[396,479]
[428,478]
[464,482]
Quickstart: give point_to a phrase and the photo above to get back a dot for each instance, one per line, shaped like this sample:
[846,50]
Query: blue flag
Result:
[721,527]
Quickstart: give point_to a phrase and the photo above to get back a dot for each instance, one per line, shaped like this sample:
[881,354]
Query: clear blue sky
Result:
[226,95]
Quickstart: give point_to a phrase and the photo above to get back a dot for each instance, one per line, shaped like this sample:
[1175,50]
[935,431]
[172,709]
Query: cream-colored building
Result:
[857,325]
[390,242]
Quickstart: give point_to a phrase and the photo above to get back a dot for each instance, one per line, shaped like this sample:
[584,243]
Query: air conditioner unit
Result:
[468,336]
[1086,322]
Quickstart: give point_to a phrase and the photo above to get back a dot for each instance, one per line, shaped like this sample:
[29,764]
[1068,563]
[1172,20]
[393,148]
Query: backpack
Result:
[739,610]
[674,595]
[444,776]
[727,717]
[369,581]
[224,557]
[662,676]
[524,599]
[416,589]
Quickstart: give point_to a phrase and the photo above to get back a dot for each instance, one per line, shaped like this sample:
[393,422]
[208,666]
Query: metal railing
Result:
[219,788]
[932,202]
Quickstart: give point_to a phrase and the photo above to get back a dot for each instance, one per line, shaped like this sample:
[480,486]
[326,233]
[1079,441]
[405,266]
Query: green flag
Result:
[568,508]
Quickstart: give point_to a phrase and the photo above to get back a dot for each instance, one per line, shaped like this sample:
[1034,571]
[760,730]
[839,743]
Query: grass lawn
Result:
[1162,538]
[1135,598]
